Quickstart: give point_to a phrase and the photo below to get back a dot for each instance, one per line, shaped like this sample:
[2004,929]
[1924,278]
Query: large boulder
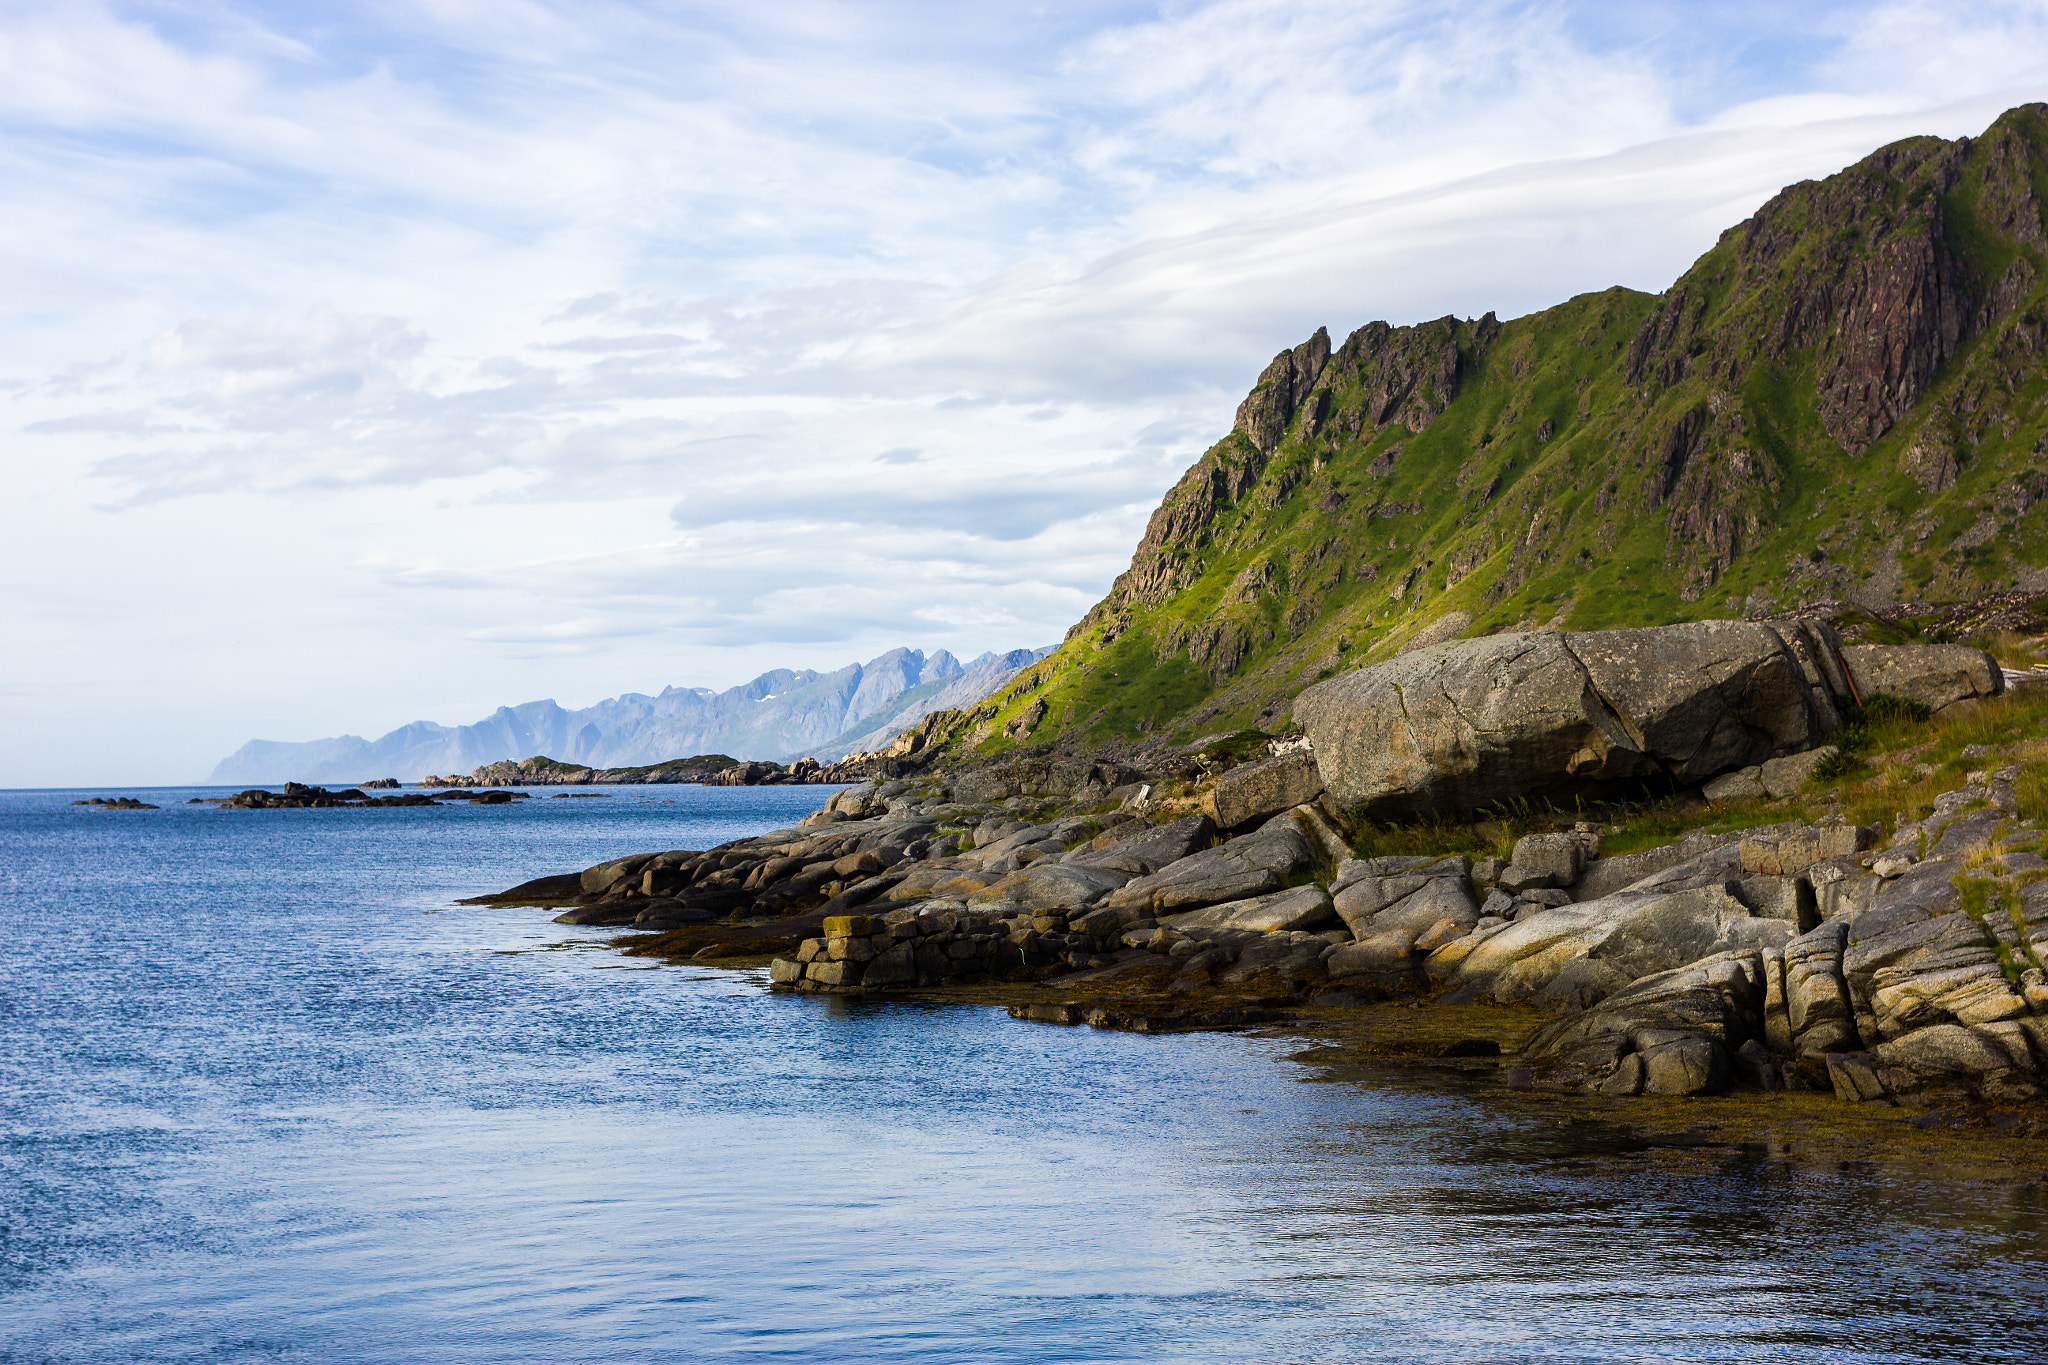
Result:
[1936,676]
[1460,725]
[1472,722]
[1259,791]
[1707,696]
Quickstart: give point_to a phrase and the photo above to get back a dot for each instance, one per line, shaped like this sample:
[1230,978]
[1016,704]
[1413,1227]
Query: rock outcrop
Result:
[542,771]
[1905,967]
[1726,448]
[1742,436]
[1935,676]
[711,770]
[1471,723]
[1259,791]
[1927,986]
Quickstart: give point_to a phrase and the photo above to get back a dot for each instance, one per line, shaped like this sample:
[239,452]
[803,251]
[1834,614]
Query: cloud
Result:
[1019,513]
[547,348]
[125,422]
[576,634]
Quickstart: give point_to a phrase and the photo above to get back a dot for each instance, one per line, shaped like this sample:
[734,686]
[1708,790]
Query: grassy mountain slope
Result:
[1846,398]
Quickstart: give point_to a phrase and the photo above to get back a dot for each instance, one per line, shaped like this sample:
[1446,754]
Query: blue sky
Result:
[366,363]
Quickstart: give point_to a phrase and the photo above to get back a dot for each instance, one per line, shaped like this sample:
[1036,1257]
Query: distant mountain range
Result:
[783,714]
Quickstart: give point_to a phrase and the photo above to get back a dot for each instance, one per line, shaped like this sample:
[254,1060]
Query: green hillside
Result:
[1843,399]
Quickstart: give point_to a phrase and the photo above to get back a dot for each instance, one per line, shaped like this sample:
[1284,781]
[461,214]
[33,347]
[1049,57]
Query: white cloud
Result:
[447,355]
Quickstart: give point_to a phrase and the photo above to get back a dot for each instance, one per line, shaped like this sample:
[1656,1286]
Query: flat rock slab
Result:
[1251,865]
[1053,886]
[1148,850]
[1304,907]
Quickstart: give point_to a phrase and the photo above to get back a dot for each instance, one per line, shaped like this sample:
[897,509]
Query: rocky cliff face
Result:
[1846,398]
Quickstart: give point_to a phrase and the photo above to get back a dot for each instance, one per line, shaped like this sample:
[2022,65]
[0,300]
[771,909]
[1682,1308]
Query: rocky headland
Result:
[1782,941]
[1835,411]
[1645,691]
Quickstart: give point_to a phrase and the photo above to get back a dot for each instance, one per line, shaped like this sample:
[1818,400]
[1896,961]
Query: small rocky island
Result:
[709,770]
[298,796]
[1776,944]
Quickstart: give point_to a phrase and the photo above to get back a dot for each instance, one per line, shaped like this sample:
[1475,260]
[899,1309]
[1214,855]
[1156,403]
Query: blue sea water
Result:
[269,1095]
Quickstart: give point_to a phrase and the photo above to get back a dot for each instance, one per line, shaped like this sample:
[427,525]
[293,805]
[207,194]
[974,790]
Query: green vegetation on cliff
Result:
[1845,399]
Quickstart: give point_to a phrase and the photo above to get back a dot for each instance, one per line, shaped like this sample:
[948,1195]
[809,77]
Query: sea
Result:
[270,1094]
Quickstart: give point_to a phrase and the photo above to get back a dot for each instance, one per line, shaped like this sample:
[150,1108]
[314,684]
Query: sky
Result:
[366,363]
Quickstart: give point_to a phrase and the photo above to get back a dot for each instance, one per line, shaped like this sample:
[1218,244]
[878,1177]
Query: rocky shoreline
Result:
[1897,962]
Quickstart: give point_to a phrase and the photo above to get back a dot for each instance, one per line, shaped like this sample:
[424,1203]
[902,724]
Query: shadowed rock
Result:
[1461,725]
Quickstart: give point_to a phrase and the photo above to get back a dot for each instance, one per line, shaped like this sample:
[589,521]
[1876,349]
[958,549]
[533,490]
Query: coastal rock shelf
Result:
[1794,955]
[1901,964]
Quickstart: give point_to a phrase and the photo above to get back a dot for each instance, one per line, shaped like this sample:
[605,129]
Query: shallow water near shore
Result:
[270,1096]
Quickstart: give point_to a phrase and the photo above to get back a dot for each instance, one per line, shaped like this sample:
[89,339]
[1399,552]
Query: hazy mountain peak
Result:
[782,714]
